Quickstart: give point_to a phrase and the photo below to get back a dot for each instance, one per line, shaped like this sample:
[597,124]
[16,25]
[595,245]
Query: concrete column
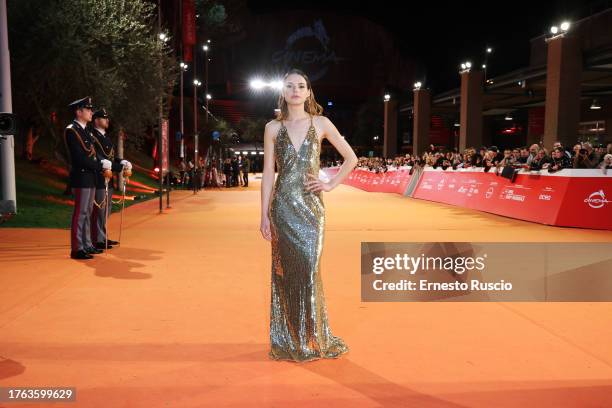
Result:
[8,190]
[563,75]
[535,125]
[421,120]
[390,136]
[470,132]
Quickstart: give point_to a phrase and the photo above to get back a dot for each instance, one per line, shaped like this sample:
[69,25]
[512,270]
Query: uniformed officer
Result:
[83,170]
[104,150]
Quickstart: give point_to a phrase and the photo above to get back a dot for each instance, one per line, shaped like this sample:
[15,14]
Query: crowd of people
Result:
[234,172]
[533,158]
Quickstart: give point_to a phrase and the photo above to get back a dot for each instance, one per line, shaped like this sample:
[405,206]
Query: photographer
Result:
[533,152]
[524,155]
[465,160]
[509,158]
[489,160]
[541,161]
[559,161]
[476,160]
[442,160]
[600,153]
[582,160]
[593,156]
[496,155]
[565,151]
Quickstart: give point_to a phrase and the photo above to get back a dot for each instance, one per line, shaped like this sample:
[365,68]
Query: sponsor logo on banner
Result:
[508,194]
[546,194]
[489,192]
[597,199]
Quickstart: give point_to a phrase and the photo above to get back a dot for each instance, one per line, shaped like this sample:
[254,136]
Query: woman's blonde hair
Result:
[310,104]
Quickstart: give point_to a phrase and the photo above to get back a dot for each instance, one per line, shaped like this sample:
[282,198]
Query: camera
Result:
[583,151]
[8,123]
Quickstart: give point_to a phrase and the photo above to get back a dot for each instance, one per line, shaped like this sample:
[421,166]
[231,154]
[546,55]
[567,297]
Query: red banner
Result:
[164,146]
[189,29]
[588,203]
[573,198]
[569,198]
[393,181]
[187,54]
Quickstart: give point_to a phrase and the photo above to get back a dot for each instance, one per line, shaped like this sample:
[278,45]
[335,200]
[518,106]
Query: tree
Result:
[213,13]
[252,130]
[227,136]
[62,50]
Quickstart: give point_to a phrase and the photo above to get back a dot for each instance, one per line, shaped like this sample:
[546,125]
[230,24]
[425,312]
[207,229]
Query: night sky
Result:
[441,35]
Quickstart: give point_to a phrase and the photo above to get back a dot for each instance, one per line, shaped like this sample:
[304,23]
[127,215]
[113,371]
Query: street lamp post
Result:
[162,38]
[160,151]
[8,189]
[196,84]
[206,49]
[195,122]
[485,66]
[182,146]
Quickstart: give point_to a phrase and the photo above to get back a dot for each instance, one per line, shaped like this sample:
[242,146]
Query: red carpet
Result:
[178,316]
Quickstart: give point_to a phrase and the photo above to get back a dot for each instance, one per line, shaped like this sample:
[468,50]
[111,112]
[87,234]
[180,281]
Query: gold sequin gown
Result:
[299,330]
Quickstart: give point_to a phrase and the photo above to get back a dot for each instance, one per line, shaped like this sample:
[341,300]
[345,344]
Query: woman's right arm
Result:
[267,180]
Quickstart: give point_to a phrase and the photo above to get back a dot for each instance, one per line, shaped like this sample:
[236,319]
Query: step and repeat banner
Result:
[570,198]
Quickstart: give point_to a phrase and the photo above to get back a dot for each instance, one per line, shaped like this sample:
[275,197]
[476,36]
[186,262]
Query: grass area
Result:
[41,202]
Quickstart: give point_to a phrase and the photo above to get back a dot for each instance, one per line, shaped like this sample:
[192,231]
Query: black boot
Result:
[80,255]
[92,250]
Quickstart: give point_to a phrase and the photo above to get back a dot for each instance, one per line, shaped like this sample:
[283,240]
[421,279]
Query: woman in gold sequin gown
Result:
[293,219]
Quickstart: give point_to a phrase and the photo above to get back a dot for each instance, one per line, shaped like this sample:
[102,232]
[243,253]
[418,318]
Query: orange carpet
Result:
[178,316]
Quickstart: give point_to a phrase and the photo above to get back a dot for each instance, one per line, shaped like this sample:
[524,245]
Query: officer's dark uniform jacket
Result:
[84,163]
[105,150]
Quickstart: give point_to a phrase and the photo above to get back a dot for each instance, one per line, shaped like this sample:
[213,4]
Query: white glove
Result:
[126,164]
[106,164]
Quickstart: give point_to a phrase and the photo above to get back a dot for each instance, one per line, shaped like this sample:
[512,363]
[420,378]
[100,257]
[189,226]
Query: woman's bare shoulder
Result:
[273,124]
[321,123]
[272,128]
[320,120]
